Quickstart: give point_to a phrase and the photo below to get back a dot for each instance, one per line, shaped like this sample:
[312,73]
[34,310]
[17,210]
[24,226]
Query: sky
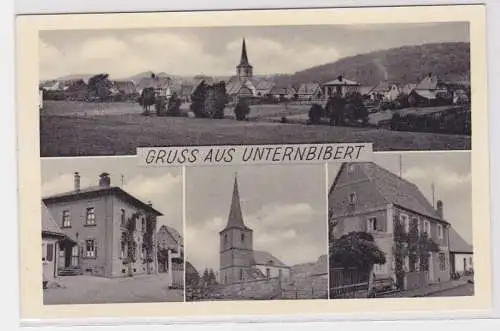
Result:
[284,205]
[449,171]
[216,50]
[162,186]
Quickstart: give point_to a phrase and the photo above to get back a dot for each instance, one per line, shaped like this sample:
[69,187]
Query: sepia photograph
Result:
[400,86]
[112,232]
[401,226]
[256,233]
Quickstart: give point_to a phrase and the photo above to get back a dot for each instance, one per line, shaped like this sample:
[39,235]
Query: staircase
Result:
[69,271]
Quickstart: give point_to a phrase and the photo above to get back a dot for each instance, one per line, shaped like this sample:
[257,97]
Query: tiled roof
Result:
[49,225]
[308,88]
[458,244]
[101,190]
[342,82]
[265,85]
[428,83]
[264,258]
[173,232]
[398,191]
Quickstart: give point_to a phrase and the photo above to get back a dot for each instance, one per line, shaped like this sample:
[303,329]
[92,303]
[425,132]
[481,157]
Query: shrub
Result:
[242,109]
[315,113]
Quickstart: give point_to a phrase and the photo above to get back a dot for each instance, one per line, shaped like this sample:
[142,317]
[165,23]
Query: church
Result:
[239,262]
[243,84]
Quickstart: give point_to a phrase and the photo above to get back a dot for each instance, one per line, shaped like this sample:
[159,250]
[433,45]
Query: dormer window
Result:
[350,169]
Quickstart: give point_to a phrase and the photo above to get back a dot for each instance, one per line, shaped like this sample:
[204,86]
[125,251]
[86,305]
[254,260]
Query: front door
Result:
[431,267]
[67,256]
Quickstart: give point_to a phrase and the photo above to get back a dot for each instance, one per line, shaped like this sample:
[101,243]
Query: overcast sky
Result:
[162,186]
[216,51]
[284,205]
[449,171]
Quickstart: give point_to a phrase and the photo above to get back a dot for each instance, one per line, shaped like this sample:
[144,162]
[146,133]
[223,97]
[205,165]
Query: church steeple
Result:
[244,70]
[235,218]
[244,57]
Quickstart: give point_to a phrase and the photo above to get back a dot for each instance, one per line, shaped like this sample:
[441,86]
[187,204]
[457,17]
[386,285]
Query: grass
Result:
[78,129]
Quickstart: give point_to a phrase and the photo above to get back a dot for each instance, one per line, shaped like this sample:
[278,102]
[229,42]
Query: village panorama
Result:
[425,105]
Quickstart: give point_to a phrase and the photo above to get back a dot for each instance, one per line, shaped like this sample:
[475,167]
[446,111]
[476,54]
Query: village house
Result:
[309,92]
[368,198]
[263,88]
[97,219]
[430,91]
[461,254]
[385,91]
[283,93]
[52,235]
[239,262]
[171,255]
[125,87]
[339,86]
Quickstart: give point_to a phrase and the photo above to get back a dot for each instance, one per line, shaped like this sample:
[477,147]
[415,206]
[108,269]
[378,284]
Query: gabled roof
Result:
[49,225]
[342,82]
[173,232]
[458,244]
[395,190]
[234,85]
[382,87]
[308,88]
[431,82]
[93,191]
[264,85]
[264,258]
[235,218]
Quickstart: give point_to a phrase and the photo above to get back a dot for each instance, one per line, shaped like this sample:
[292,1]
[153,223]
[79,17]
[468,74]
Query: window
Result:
[241,274]
[372,225]
[268,273]
[90,218]
[407,263]
[442,262]
[66,219]
[427,227]
[405,223]
[242,237]
[352,198]
[416,225]
[413,259]
[122,215]
[50,253]
[90,249]
[143,224]
[380,268]
[225,239]
[440,231]
[43,252]
[350,169]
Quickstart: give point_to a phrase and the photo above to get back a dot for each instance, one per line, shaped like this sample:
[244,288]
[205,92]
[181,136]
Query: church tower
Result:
[244,70]
[236,244]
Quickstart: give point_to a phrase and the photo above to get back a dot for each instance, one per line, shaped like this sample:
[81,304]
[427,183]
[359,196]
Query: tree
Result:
[242,109]
[355,250]
[415,245]
[212,280]
[148,240]
[131,244]
[162,257]
[100,85]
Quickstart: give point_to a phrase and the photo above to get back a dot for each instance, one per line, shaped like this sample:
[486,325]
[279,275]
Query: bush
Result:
[315,113]
[241,110]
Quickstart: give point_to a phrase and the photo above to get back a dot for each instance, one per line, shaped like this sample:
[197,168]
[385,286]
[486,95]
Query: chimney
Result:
[150,204]
[104,180]
[439,206]
[77,181]
[340,78]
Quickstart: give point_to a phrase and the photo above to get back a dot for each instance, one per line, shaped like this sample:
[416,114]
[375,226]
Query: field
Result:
[83,129]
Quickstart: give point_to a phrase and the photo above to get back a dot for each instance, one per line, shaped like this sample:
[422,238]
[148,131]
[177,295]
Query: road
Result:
[466,290]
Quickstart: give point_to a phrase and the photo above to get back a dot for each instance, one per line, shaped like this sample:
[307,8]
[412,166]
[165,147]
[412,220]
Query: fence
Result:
[177,276]
[348,283]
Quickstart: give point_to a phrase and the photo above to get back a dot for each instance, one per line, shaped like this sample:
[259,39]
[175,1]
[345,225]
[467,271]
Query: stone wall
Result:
[252,290]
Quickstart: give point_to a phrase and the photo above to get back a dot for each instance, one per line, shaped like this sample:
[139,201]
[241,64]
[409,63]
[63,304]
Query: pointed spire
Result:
[235,218]
[244,57]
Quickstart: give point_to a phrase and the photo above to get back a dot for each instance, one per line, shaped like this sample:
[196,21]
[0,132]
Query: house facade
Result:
[52,236]
[368,198]
[238,260]
[461,254]
[103,222]
[171,255]
[339,86]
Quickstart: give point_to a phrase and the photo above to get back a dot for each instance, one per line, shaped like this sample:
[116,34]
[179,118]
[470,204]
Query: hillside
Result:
[408,64]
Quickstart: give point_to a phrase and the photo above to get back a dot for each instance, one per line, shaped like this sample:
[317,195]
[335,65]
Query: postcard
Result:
[253,163]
